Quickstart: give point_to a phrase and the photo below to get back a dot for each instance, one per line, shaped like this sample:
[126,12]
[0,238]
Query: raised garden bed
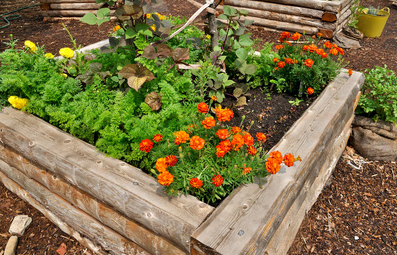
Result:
[111,206]
[309,16]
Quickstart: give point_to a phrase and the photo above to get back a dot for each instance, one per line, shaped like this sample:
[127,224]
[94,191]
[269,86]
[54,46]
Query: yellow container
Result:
[372,25]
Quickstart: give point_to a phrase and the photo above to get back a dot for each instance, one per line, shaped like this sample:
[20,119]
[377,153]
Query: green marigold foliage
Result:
[379,95]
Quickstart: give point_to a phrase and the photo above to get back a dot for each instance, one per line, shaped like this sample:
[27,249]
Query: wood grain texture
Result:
[78,220]
[236,226]
[276,7]
[24,195]
[83,201]
[126,189]
[75,6]
[333,6]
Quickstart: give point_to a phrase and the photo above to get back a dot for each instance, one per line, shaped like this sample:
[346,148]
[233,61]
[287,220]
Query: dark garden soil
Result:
[355,214]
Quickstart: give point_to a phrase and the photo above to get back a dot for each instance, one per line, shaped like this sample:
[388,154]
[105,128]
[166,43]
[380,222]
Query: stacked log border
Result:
[308,16]
[68,8]
[113,207]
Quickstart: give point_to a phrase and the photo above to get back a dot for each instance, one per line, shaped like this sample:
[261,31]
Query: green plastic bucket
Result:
[372,25]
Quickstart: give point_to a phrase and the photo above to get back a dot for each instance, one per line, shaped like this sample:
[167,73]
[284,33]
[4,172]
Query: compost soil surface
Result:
[355,214]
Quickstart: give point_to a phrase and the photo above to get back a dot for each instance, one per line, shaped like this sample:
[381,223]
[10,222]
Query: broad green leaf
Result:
[103,12]
[237,92]
[100,21]
[243,12]
[229,10]
[250,69]
[248,22]
[100,1]
[242,53]
[222,16]
[141,27]
[136,75]
[130,33]
[245,41]
[241,101]
[89,18]
[146,32]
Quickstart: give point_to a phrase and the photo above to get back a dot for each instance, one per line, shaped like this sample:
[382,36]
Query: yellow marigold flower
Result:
[208,36]
[49,55]
[153,27]
[64,75]
[66,53]
[30,46]
[17,102]
[148,15]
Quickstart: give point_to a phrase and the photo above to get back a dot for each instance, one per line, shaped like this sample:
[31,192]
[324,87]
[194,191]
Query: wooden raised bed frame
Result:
[113,207]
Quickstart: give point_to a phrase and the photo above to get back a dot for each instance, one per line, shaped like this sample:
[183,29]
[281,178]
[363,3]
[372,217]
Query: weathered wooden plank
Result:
[286,232]
[236,227]
[277,8]
[83,201]
[66,13]
[283,26]
[75,6]
[77,219]
[21,193]
[333,6]
[294,19]
[67,1]
[127,189]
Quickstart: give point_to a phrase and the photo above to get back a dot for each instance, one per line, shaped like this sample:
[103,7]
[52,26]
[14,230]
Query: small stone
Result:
[356,238]
[11,246]
[20,224]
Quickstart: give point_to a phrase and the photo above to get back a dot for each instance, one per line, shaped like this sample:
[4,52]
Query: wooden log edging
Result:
[48,167]
[125,189]
[253,220]
[310,17]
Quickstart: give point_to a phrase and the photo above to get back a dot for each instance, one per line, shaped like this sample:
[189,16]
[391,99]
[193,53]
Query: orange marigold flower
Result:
[328,45]
[350,72]
[181,137]
[247,170]
[161,165]
[252,150]
[277,155]
[305,47]
[333,51]
[196,183]
[146,145]
[320,35]
[171,160]
[157,138]
[261,137]
[272,165]
[116,28]
[222,148]
[340,50]
[222,134]
[285,34]
[165,178]
[217,180]
[202,107]
[289,61]
[276,68]
[190,127]
[220,152]
[208,122]
[324,55]
[237,142]
[289,159]
[248,139]
[308,63]
[213,98]
[310,91]
[197,143]
[281,64]
[319,51]
[279,47]
[275,60]
[312,48]
[296,36]
[236,130]
[224,114]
